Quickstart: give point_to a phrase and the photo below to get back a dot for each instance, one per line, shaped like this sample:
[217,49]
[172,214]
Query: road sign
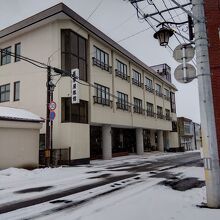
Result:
[52,105]
[183,51]
[75,86]
[185,74]
[52,115]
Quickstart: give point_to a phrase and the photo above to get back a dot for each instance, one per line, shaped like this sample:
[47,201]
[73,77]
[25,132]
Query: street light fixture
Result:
[163,36]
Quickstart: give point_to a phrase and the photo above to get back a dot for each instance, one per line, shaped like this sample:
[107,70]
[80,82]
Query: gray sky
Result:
[117,19]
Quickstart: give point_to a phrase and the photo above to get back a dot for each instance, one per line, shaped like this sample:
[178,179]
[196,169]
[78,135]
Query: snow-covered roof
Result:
[16,114]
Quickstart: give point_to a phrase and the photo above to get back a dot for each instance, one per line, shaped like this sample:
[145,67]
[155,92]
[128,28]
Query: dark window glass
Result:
[138,106]
[150,109]
[16,91]
[77,113]
[136,80]
[102,95]
[159,112]
[122,102]
[17,52]
[73,53]
[101,59]
[172,102]
[5,93]
[5,56]
[167,111]
[121,70]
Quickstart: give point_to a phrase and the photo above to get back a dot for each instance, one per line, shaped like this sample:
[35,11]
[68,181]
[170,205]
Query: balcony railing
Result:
[122,75]
[167,117]
[123,106]
[138,110]
[158,93]
[102,101]
[149,89]
[150,113]
[160,116]
[166,97]
[101,64]
[137,83]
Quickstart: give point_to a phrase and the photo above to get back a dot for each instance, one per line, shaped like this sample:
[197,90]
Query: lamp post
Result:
[210,148]
[163,35]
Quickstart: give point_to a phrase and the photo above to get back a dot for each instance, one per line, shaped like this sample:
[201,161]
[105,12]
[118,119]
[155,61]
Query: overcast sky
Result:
[117,19]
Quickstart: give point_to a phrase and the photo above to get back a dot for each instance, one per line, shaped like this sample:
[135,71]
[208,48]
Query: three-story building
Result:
[125,106]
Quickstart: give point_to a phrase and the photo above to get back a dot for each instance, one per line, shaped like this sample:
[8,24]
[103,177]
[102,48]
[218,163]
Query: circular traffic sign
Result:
[190,73]
[52,105]
[178,52]
[52,115]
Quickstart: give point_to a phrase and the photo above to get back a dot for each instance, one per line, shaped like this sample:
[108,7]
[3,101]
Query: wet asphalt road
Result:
[161,164]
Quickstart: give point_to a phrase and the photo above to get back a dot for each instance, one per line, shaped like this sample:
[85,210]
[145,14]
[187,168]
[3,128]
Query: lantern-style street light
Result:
[163,35]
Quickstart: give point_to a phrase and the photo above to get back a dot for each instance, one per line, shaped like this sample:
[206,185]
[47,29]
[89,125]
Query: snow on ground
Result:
[13,179]
[143,200]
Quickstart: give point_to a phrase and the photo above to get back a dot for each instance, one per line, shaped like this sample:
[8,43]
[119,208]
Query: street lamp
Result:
[163,35]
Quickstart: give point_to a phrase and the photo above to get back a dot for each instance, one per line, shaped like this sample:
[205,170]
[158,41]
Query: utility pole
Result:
[210,148]
[48,129]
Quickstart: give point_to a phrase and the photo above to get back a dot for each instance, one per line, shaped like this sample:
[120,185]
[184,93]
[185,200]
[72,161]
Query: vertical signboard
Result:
[75,86]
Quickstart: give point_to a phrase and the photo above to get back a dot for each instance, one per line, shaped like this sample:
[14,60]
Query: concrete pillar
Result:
[106,142]
[160,140]
[139,141]
[152,138]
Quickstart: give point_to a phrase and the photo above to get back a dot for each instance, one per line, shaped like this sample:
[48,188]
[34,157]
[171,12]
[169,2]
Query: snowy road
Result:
[75,189]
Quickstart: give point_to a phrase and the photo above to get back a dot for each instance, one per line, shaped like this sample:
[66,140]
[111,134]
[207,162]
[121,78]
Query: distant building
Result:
[189,134]
[125,106]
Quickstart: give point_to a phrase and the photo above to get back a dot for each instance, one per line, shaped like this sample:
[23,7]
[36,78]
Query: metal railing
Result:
[101,64]
[102,101]
[57,157]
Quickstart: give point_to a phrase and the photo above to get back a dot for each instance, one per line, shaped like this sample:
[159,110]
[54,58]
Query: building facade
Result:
[212,23]
[125,106]
[189,134]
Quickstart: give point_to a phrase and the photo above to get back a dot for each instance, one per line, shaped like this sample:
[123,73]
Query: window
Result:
[73,52]
[5,56]
[5,93]
[172,102]
[138,106]
[122,102]
[101,59]
[17,52]
[167,94]
[17,91]
[167,111]
[159,112]
[77,113]
[121,70]
[102,95]
[158,90]
[149,84]
[150,109]
[174,126]
[136,80]
[187,127]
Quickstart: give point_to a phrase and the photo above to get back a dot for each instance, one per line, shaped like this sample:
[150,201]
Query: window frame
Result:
[150,109]
[136,78]
[101,59]
[16,54]
[121,70]
[102,95]
[138,106]
[122,101]
[17,83]
[6,56]
[5,92]
[159,112]
[69,56]
[80,105]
